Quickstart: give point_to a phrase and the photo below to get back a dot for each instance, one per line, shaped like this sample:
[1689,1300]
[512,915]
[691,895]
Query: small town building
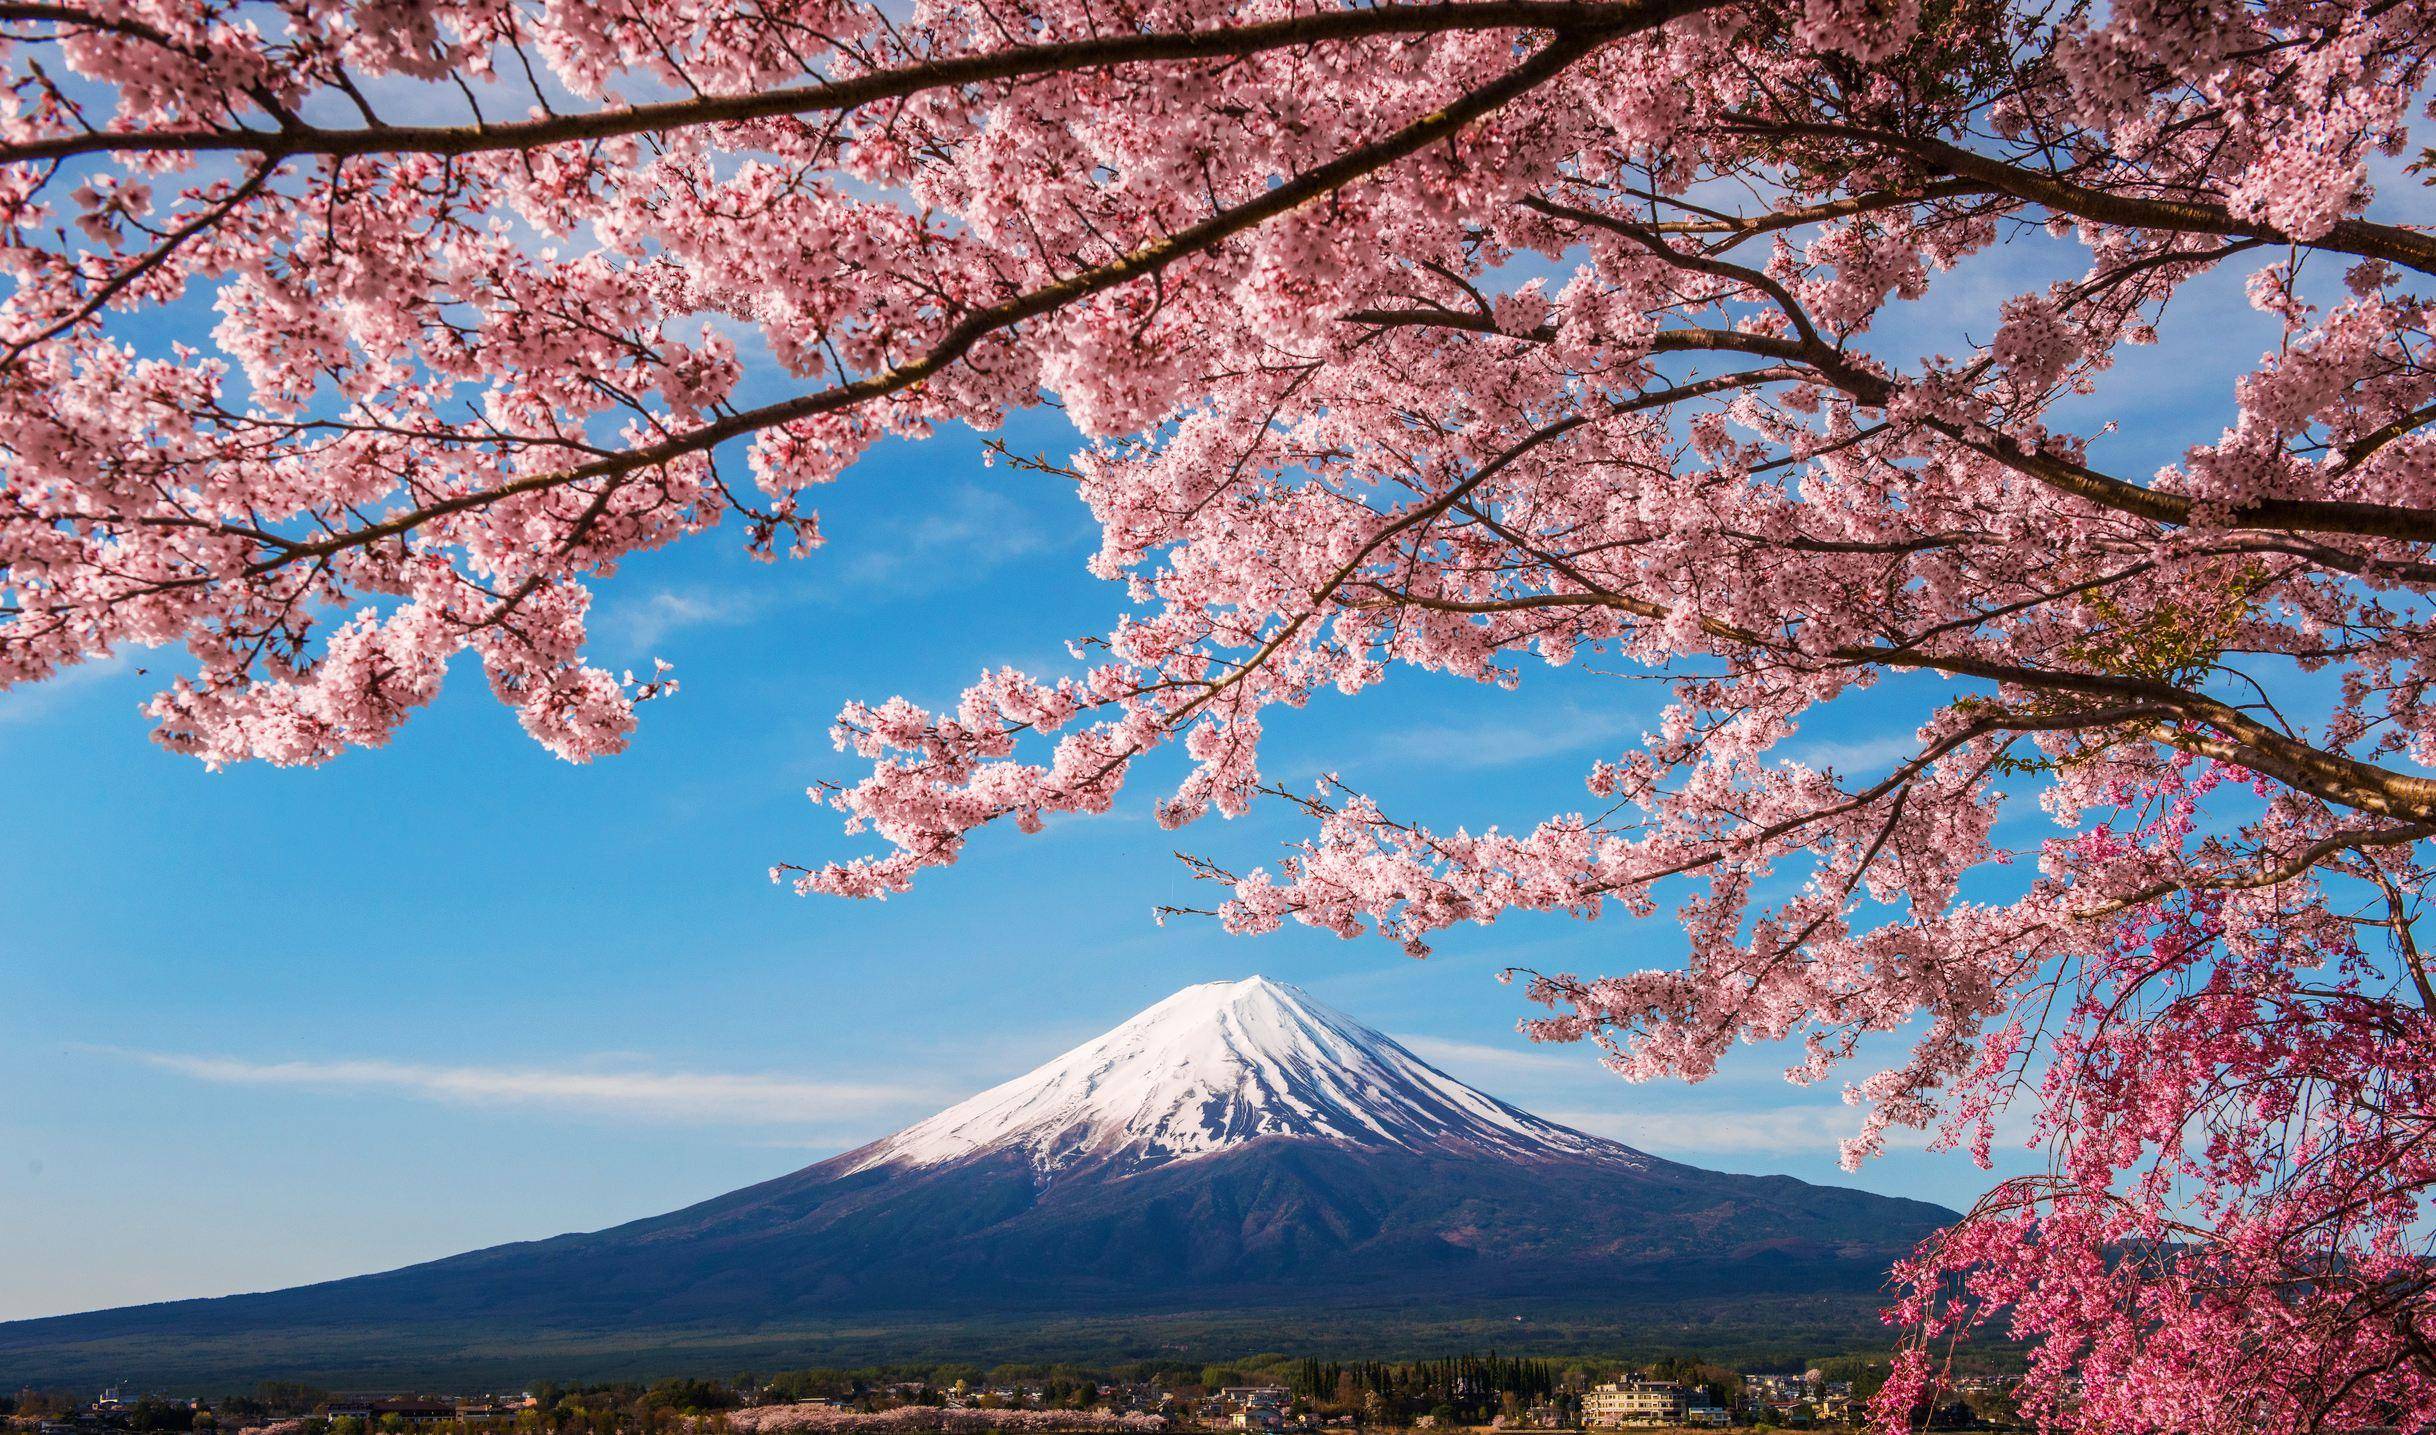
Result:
[1621,1403]
[1771,1390]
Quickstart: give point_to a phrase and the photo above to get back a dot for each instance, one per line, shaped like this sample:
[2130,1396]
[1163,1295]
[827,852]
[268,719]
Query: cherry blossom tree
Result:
[348,336]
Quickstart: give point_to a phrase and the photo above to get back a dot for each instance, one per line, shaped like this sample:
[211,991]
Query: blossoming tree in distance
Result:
[350,335]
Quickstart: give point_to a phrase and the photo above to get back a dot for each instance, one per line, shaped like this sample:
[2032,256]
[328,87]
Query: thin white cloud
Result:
[32,702]
[1523,1055]
[1857,757]
[1505,743]
[1795,1130]
[719,1097]
[971,532]
[1775,1131]
[645,624]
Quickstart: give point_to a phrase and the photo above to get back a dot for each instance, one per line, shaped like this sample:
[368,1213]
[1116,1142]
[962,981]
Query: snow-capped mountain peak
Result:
[1221,1064]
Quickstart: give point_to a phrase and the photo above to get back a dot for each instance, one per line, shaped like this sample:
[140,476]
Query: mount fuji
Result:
[1222,1065]
[1238,1164]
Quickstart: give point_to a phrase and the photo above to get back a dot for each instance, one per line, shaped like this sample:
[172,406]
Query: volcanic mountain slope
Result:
[1236,1147]
[1218,1066]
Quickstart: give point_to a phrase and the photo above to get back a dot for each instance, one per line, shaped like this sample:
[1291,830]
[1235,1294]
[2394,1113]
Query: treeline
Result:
[1455,1374]
[150,1415]
[1469,1389]
[1060,1386]
[837,1382]
[1057,1381]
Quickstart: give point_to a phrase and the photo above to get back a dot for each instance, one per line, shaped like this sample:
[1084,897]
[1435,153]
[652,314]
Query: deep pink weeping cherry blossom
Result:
[349,336]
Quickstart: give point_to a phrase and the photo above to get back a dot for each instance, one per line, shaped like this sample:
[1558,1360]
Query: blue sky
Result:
[269,1026]
[265,1027]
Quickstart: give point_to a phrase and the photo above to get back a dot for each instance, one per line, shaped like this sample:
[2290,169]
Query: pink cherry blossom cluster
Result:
[1458,335]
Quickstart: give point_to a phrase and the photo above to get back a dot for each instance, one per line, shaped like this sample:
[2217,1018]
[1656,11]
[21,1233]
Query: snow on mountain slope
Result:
[1220,1064]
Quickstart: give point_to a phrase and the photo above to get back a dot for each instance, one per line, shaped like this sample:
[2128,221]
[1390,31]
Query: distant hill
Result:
[1237,1168]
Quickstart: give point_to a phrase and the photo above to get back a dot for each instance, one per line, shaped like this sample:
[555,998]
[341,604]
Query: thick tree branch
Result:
[1839,370]
[1580,20]
[2408,248]
[2300,864]
[1143,262]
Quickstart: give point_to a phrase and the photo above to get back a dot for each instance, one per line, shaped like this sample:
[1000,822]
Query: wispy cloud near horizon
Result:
[1783,1129]
[724,1097]
[1524,1055]
[1773,1131]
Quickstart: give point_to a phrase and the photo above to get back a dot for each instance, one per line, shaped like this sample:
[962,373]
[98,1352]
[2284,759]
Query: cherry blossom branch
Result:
[1145,261]
[2409,248]
[2283,515]
[1588,20]
[2293,868]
